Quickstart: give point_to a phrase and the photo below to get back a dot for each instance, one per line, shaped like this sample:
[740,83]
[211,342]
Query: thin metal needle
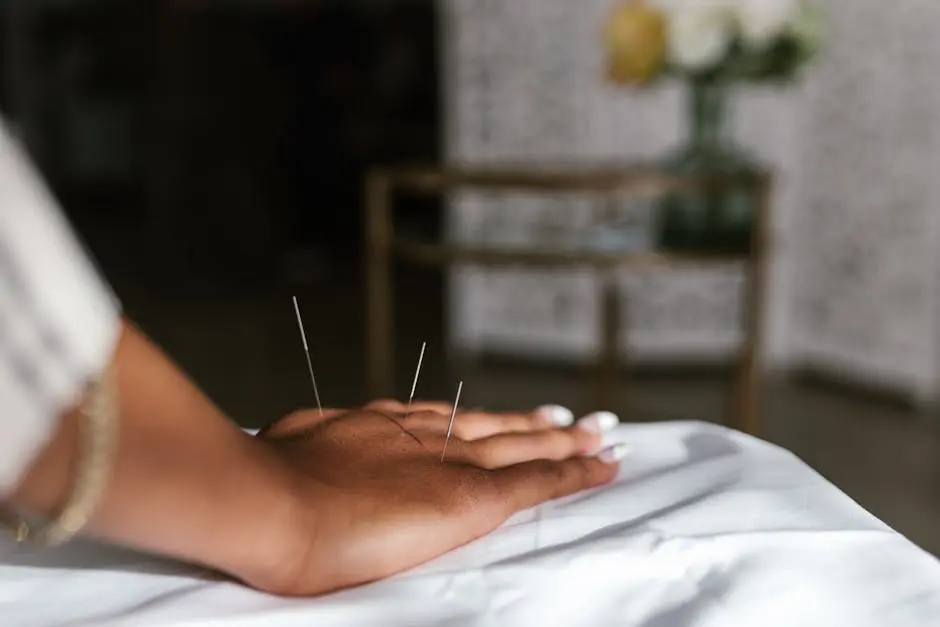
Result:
[453,414]
[303,337]
[414,384]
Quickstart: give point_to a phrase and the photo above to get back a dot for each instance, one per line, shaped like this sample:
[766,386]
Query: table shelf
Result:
[384,247]
[427,253]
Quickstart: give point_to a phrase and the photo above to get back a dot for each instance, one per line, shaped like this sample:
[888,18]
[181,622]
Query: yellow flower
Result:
[635,41]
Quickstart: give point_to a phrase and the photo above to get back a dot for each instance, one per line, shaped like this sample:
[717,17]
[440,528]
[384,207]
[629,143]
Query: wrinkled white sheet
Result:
[705,527]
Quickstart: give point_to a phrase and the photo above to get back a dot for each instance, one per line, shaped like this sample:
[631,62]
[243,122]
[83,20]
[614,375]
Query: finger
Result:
[414,421]
[478,424]
[475,424]
[543,416]
[421,420]
[298,421]
[526,485]
[440,407]
[392,405]
[507,449]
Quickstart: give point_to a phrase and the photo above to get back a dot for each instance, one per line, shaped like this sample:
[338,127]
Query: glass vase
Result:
[719,219]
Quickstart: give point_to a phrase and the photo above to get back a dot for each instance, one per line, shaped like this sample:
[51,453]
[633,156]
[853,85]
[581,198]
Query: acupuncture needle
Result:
[303,337]
[453,414]
[414,384]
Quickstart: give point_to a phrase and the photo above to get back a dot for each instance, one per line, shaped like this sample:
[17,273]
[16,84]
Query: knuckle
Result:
[486,454]
[582,439]
[381,404]
[423,417]
[374,412]
[537,419]
[527,422]
[438,407]
[464,431]
[286,424]
[475,418]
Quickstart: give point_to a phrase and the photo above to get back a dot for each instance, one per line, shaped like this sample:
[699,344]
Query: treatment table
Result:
[705,527]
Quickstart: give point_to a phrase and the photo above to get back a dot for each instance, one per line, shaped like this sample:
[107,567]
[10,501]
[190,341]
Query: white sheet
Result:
[705,527]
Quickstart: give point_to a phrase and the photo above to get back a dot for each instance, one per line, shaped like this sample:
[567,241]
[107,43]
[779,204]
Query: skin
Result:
[314,503]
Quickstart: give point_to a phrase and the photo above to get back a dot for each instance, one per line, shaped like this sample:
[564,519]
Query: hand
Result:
[373,497]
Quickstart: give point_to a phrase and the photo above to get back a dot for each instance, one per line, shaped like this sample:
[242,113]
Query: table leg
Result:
[747,401]
[379,322]
[608,362]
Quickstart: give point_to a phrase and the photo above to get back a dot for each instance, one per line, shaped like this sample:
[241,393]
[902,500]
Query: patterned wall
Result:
[854,147]
[867,251]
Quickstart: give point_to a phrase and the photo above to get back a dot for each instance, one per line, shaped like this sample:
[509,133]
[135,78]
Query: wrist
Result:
[256,541]
[44,486]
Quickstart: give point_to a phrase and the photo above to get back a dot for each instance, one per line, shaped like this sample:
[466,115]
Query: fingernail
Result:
[613,454]
[599,422]
[558,415]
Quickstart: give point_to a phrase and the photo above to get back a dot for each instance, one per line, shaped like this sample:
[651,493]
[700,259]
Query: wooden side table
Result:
[383,247]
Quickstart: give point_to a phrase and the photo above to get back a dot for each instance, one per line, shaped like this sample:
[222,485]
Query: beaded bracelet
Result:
[98,439]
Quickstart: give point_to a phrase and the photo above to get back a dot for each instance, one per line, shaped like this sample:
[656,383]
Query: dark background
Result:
[225,142]
[211,154]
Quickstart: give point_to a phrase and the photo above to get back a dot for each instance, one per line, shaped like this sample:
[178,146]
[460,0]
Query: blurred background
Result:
[212,154]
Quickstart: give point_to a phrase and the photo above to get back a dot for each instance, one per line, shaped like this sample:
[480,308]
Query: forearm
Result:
[185,482]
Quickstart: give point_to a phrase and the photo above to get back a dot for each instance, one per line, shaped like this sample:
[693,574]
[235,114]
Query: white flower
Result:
[763,21]
[700,34]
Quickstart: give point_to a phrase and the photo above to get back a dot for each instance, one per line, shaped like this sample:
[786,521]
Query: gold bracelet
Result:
[97,441]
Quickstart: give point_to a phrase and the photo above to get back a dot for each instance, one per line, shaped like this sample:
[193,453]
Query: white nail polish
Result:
[560,416]
[613,454]
[600,422]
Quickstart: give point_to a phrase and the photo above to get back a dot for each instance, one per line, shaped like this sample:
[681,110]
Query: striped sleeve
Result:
[58,319]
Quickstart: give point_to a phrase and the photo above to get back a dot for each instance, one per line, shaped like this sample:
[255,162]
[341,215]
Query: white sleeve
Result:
[58,320]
